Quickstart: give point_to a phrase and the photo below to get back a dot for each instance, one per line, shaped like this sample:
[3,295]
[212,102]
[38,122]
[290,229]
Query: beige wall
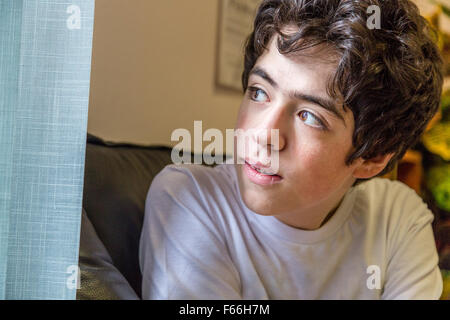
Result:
[153,70]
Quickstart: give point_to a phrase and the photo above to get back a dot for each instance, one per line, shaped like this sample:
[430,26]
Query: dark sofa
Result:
[116,181]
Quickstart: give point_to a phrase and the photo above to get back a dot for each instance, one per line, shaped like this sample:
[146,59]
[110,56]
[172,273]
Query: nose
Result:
[271,133]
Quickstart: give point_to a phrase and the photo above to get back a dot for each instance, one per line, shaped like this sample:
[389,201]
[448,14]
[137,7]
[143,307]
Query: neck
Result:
[331,213]
[313,218]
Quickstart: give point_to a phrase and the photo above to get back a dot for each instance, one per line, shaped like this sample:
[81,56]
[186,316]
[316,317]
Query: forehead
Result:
[307,70]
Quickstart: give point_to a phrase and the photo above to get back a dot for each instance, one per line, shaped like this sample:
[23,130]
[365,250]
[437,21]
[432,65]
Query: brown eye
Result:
[311,120]
[302,115]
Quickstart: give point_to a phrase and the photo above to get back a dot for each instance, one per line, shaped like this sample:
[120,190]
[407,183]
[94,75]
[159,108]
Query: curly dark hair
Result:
[390,78]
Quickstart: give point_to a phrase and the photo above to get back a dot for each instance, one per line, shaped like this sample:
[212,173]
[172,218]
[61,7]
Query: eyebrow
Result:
[322,102]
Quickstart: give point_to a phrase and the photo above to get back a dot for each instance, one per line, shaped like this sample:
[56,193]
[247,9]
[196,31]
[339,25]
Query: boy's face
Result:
[313,141]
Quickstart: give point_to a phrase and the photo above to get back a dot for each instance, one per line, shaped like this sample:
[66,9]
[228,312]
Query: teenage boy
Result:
[347,101]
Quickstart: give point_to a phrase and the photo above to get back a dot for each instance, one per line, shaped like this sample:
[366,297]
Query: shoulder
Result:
[400,221]
[188,177]
[199,189]
[178,183]
[391,205]
[393,196]
[385,190]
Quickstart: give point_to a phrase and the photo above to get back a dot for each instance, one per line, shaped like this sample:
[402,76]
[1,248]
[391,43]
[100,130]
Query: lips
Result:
[262,169]
[260,178]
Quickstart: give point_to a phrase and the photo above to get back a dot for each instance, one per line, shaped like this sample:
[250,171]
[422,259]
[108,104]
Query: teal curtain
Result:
[45,62]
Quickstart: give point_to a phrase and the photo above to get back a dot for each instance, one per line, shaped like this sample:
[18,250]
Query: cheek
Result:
[322,166]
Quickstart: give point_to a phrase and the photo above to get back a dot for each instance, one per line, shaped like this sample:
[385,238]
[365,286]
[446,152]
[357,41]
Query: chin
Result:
[261,211]
[261,206]
[258,201]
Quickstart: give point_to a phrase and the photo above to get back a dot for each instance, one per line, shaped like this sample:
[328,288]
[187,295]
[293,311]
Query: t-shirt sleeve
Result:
[412,270]
[182,251]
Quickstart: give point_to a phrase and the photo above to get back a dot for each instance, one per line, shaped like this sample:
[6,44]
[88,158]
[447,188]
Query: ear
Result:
[371,167]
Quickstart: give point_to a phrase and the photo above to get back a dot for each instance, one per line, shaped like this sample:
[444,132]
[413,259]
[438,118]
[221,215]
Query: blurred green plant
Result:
[437,141]
[438,182]
[445,106]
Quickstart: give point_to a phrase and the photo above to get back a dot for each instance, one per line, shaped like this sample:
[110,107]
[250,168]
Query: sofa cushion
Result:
[116,181]
[99,278]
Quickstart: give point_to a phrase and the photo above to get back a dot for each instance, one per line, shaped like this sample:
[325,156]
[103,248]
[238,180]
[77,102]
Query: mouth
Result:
[259,175]
[265,170]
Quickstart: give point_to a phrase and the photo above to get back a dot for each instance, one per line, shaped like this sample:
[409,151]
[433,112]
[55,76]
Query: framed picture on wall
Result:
[235,24]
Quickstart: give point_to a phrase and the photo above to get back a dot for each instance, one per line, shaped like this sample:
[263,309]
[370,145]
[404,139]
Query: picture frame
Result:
[235,25]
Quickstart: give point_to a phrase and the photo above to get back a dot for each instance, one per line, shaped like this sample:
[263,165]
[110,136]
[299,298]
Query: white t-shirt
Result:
[200,241]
